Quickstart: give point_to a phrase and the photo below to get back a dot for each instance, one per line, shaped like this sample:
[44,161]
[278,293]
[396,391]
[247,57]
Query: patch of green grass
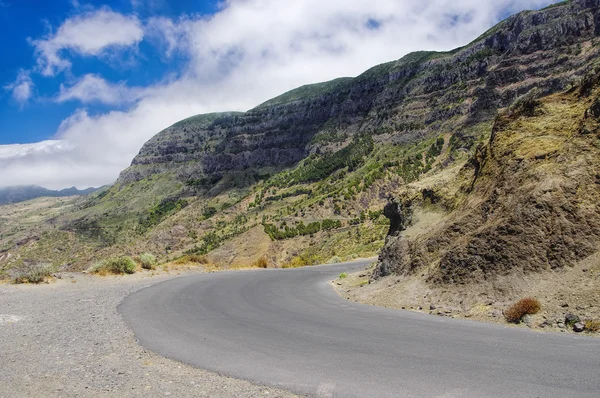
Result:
[343,275]
[318,168]
[161,211]
[308,92]
[116,265]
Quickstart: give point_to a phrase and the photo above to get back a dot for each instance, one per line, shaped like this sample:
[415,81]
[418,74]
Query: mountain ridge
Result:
[21,193]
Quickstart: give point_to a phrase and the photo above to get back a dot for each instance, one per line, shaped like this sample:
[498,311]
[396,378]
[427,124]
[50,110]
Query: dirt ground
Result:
[574,290]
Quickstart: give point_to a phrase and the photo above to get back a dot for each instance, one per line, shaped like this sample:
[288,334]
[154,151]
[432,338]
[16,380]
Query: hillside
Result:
[524,220]
[303,178]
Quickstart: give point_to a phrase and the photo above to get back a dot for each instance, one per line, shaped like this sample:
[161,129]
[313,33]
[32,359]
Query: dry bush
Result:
[148,261]
[592,326]
[30,273]
[191,258]
[525,306]
[334,260]
[261,262]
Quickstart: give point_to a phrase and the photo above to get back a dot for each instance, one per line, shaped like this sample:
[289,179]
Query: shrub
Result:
[30,273]
[116,265]
[525,306]
[592,326]
[191,258]
[148,261]
[261,262]
[343,275]
[159,212]
[334,260]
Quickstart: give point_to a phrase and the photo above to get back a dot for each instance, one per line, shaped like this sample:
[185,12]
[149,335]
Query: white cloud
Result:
[90,34]
[17,151]
[172,35]
[93,88]
[152,5]
[22,88]
[247,53]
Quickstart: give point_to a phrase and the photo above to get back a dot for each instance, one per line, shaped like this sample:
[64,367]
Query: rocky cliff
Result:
[421,94]
[528,198]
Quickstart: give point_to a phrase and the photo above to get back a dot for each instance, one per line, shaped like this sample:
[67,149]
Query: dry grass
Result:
[261,262]
[191,259]
[523,307]
[592,326]
[30,273]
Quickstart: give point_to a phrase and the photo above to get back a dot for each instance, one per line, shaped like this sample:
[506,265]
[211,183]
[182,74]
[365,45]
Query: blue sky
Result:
[21,20]
[83,84]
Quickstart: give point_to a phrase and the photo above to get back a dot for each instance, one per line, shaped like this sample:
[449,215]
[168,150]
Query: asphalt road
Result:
[289,329]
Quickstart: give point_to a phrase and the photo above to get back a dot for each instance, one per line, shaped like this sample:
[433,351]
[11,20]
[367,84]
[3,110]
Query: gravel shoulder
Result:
[567,291]
[66,339]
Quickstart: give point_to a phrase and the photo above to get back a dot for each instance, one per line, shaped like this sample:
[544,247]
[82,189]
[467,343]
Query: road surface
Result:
[289,329]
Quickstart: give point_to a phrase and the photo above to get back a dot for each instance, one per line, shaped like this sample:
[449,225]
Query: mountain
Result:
[22,193]
[304,178]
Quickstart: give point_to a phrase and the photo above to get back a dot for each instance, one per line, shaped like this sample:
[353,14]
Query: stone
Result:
[527,320]
[578,327]
[545,324]
[561,325]
[432,307]
[571,319]
[400,215]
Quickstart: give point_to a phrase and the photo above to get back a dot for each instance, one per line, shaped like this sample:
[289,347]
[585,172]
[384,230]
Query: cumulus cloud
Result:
[248,52]
[171,35]
[93,88]
[89,34]
[22,88]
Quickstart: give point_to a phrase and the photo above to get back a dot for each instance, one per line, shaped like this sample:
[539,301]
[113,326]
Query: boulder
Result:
[571,319]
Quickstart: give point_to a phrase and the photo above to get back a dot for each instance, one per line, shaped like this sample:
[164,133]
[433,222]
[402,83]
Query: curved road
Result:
[289,329]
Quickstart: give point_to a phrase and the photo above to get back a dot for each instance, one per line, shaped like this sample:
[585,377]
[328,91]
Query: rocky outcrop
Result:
[531,198]
[400,215]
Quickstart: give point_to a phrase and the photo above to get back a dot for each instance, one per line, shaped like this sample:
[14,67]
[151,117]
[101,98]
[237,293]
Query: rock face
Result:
[402,101]
[529,197]
[400,216]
